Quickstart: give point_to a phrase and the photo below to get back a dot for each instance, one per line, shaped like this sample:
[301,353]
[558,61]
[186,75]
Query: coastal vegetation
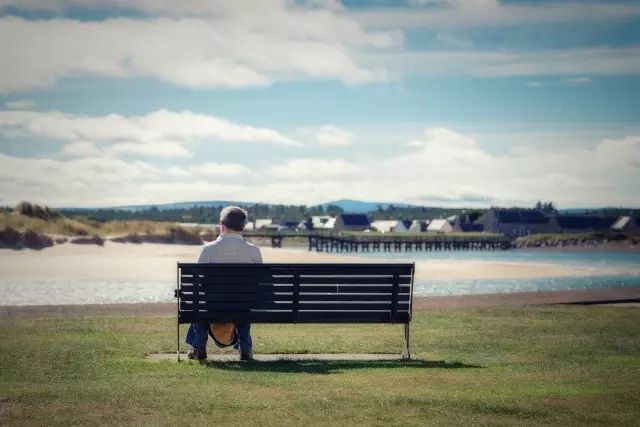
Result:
[562,365]
[211,214]
[552,240]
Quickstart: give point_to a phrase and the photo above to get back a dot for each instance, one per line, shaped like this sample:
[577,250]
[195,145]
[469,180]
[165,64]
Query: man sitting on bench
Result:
[229,247]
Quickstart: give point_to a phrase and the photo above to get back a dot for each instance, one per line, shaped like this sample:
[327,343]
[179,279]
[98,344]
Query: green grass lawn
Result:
[538,366]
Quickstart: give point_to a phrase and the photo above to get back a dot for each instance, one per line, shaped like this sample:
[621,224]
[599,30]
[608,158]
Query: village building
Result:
[329,225]
[259,224]
[419,226]
[440,226]
[582,223]
[626,225]
[516,222]
[351,222]
[402,226]
[287,224]
[319,221]
[474,228]
[384,225]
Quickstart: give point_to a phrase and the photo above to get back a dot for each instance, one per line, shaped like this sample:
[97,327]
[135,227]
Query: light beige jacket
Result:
[230,248]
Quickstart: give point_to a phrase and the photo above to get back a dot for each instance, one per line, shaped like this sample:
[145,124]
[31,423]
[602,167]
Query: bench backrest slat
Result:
[305,293]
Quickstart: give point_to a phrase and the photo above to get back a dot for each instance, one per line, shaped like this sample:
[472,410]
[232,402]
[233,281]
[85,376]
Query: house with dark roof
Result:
[626,225]
[516,222]
[582,223]
[419,225]
[402,226]
[351,222]
[476,228]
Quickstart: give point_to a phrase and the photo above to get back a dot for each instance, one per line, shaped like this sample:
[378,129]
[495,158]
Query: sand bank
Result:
[127,261]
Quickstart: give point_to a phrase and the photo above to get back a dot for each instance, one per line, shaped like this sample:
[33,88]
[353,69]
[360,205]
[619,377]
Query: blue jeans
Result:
[198,335]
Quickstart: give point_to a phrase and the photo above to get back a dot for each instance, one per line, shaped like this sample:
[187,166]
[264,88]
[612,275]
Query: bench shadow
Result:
[324,367]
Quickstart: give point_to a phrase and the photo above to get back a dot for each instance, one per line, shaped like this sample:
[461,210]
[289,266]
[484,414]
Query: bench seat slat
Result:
[339,305]
[303,269]
[233,280]
[238,289]
[302,317]
[302,306]
[353,280]
[238,297]
[363,289]
[287,296]
[352,297]
[237,306]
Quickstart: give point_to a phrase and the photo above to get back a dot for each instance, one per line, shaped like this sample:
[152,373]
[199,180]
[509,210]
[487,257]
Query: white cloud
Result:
[480,13]
[161,133]
[161,149]
[20,104]
[312,169]
[332,135]
[243,44]
[227,45]
[167,150]
[572,81]
[579,81]
[82,149]
[103,181]
[213,169]
[492,64]
[442,167]
[448,39]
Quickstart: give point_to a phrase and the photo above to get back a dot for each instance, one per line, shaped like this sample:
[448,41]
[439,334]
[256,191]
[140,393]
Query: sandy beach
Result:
[127,261]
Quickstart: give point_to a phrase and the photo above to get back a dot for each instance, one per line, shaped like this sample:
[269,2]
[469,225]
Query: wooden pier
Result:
[377,243]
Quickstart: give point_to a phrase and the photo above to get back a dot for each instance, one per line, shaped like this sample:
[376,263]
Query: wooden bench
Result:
[296,293]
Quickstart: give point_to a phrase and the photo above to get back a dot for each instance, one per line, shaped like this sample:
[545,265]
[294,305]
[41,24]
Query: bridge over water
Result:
[388,242]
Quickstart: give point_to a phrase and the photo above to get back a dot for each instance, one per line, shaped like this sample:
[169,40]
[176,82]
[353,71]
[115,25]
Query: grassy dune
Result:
[555,239]
[83,226]
[532,366]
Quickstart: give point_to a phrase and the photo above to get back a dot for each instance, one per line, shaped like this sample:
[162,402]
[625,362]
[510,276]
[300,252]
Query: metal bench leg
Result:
[406,354]
[178,340]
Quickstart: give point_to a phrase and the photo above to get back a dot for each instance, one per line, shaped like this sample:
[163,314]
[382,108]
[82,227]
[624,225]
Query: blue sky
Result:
[438,102]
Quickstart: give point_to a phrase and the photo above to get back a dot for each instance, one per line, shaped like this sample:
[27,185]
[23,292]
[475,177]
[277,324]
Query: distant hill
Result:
[188,205]
[169,206]
[351,206]
[357,206]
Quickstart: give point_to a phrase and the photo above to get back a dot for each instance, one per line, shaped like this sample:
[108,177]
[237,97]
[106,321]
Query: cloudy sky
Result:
[435,102]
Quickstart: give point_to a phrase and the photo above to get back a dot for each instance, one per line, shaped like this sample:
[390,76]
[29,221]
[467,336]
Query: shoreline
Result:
[157,262]
[513,300]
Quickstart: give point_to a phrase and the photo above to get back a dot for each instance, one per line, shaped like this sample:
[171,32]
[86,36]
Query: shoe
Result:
[246,356]
[197,353]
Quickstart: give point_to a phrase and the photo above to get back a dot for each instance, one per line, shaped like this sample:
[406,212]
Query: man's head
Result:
[233,218]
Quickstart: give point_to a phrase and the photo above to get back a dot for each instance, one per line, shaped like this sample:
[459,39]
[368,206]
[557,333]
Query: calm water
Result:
[625,267]
[625,273]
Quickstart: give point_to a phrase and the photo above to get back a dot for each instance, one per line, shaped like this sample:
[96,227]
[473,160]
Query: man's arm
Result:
[257,257]
[204,256]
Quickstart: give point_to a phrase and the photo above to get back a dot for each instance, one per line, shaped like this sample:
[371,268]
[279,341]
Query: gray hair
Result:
[233,217]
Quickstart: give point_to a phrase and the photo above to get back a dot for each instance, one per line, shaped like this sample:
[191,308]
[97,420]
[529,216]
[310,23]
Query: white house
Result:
[419,225]
[330,224]
[440,226]
[402,226]
[319,221]
[627,225]
[258,224]
[383,225]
